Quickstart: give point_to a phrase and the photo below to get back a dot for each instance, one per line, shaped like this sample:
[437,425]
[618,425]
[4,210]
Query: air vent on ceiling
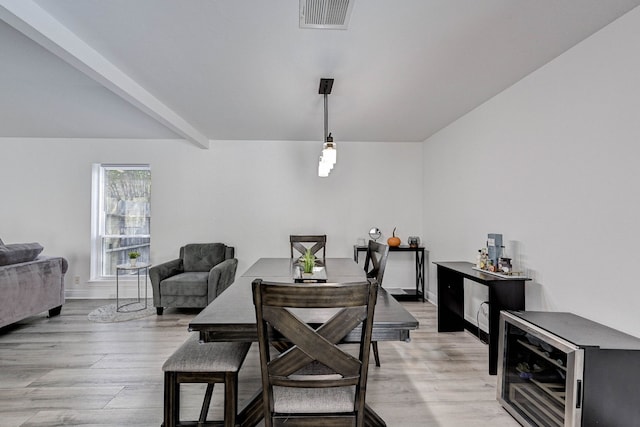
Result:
[327,14]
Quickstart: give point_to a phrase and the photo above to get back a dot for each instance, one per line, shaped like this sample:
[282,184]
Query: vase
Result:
[133,261]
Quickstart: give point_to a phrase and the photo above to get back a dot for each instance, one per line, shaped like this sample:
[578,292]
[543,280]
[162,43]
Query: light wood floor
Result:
[69,371]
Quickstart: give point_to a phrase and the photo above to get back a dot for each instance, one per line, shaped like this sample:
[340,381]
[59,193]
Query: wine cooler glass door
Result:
[537,375]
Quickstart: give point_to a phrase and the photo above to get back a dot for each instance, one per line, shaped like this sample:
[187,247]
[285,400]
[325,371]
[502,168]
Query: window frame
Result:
[98,217]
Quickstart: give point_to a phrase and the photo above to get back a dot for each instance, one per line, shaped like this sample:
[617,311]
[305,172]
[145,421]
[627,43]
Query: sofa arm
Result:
[159,272]
[65,265]
[221,277]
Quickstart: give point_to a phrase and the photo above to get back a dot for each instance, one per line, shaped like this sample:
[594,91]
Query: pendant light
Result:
[328,156]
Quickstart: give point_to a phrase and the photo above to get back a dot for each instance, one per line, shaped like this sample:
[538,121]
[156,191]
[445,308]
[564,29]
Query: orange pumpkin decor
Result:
[393,241]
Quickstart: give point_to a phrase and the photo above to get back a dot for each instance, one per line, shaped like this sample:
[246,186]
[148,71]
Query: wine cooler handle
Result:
[578,394]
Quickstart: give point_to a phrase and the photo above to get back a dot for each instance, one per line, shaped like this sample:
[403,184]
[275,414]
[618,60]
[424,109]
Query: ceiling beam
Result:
[34,22]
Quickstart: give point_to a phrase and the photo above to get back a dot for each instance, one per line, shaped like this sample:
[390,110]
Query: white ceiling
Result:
[244,70]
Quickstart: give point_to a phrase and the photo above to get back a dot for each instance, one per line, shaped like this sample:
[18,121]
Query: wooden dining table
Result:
[231,316]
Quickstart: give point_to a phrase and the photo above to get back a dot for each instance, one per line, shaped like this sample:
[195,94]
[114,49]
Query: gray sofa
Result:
[29,283]
[195,279]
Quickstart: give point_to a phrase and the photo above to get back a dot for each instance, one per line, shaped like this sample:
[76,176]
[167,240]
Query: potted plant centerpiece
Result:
[308,261]
[133,258]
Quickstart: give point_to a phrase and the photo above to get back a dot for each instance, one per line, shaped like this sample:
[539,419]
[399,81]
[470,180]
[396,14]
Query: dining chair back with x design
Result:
[313,380]
[374,265]
[376,260]
[315,243]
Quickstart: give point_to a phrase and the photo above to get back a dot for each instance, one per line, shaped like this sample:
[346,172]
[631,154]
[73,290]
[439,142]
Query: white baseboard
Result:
[432,298]
[107,290]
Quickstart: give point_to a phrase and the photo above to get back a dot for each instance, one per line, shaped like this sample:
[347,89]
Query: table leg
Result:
[420,274]
[450,301]
[252,413]
[371,418]
[425,275]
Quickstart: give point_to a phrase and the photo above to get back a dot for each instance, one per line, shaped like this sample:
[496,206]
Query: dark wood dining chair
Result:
[300,244]
[374,265]
[314,381]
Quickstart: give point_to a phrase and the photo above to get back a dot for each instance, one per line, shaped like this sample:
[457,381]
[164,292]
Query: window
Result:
[121,216]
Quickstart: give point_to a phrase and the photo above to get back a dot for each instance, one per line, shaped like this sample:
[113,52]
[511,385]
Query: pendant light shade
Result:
[324,168]
[329,152]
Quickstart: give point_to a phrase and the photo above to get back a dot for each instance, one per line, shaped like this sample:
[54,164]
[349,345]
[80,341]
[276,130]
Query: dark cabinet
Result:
[559,369]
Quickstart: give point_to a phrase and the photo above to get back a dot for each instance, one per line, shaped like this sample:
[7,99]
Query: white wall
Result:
[552,164]
[251,195]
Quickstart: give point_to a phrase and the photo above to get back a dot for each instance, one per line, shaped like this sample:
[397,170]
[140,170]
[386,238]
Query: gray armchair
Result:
[195,279]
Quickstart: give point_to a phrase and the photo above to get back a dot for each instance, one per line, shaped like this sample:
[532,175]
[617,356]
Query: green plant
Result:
[308,261]
[134,255]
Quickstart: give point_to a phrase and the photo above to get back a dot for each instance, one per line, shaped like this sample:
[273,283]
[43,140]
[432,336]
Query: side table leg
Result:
[138,286]
[117,289]
[146,275]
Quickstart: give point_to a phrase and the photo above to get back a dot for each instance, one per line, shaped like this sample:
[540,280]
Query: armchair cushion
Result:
[187,284]
[203,256]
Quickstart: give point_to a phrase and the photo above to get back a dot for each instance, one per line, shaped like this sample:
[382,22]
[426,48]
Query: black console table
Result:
[504,294]
[420,253]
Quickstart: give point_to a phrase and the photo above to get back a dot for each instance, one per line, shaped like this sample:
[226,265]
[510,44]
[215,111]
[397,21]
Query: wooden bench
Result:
[195,362]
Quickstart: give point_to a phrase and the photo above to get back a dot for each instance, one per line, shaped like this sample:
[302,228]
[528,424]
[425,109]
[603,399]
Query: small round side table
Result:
[129,268]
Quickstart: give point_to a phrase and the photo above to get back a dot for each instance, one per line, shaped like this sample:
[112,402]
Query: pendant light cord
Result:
[326,118]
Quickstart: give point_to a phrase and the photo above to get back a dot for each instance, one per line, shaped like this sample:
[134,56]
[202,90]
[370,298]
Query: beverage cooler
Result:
[559,369]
